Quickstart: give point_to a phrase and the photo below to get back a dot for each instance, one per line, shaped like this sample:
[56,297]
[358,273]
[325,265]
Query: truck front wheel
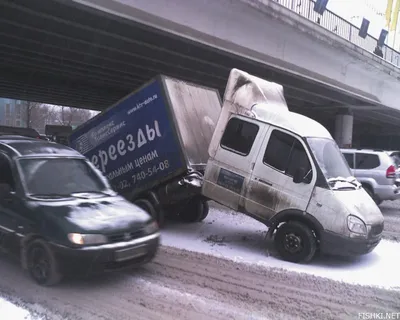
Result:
[195,210]
[295,242]
[147,206]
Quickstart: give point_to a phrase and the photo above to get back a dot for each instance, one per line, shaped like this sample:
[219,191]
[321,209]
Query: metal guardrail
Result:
[340,26]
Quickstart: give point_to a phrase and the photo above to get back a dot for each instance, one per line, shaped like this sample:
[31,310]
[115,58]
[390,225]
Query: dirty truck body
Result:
[252,155]
[152,145]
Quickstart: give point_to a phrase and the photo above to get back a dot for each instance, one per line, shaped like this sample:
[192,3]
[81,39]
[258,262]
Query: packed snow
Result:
[13,311]
[234,236]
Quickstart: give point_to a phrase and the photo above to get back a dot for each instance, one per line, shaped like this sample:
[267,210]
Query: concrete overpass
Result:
[90,53]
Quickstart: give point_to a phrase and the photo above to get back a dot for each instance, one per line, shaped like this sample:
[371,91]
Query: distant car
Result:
[395,155]
[60,216]
[44,137]
[377,172]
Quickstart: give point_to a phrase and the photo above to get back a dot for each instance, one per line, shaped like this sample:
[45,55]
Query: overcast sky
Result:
[373,10]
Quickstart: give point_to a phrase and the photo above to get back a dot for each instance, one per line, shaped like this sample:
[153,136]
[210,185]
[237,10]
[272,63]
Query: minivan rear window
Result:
[367,161]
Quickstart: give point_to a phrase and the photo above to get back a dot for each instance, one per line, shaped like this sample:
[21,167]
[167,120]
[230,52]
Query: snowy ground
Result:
[222,268]
[234,236]
[13,311]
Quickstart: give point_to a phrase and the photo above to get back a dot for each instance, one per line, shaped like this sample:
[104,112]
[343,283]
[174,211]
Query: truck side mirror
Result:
[299,175]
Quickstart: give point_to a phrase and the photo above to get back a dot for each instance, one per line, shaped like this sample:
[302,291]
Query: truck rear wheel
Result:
[195,210]
[295,242]
[147,206]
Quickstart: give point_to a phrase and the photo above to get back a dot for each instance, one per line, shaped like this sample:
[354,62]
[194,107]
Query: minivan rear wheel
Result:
[295,242]
[42,264]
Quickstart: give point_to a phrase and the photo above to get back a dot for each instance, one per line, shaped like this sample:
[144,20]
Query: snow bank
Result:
[14,312]
[237,237]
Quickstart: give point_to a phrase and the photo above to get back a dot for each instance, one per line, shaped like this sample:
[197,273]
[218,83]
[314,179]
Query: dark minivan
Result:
[61,217]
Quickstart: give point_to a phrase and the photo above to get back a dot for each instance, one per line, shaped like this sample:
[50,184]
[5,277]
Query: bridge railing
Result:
[340,26]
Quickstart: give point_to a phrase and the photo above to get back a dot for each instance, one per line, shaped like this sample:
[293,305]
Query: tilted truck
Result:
[152,146]
[169,147]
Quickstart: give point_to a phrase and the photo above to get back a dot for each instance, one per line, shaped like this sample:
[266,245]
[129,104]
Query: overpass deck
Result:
[69,53]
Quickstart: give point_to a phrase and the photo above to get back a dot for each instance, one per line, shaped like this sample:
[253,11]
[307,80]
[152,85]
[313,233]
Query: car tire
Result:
[147,206]
[42,264]
[295,242]
[206,210]
[195,210]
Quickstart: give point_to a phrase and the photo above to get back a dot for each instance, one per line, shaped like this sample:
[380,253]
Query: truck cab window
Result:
[239,136]
[285,153]
[5,172]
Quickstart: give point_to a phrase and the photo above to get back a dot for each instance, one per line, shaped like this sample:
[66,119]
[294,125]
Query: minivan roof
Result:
[30,132]
[17,146]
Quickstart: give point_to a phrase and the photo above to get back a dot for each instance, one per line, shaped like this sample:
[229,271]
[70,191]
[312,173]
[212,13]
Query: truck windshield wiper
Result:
[353,181]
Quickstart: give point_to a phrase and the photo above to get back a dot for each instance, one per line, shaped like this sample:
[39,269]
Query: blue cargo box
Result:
[158,132]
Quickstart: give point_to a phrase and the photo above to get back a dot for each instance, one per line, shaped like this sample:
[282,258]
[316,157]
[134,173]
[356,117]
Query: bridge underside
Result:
[62,53]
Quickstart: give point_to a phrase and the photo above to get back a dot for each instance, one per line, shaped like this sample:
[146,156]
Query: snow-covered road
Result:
[230,235]
[222,268]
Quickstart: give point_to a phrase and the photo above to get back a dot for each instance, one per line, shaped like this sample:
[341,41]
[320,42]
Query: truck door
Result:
[272,188]
[228,173]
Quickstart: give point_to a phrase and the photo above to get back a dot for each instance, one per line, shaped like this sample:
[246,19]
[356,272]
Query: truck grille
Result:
[376,229]
[126,236]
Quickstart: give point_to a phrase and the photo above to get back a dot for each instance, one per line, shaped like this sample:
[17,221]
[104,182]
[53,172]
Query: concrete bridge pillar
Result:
[344,129]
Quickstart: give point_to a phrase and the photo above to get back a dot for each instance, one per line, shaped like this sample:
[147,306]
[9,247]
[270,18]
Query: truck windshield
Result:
[60,177]
[329,158]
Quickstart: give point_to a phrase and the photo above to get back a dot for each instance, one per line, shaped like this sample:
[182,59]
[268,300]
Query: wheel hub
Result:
[40,265]
[293,243]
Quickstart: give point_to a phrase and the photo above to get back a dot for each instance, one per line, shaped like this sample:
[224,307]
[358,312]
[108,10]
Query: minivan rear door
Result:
[367,167]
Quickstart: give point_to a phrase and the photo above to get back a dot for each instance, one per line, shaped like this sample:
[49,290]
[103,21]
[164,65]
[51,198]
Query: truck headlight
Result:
[87,239]
[151,227]
[356,225]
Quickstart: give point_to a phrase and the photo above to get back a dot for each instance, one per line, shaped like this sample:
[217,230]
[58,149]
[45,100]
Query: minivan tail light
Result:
[391,172]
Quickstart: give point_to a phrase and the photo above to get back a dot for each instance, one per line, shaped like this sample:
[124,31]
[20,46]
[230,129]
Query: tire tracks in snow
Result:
[180,284]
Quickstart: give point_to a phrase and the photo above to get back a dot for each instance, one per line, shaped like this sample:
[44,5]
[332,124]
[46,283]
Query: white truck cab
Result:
[286,171]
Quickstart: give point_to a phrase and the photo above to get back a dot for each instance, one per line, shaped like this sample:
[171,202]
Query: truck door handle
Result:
[265,182]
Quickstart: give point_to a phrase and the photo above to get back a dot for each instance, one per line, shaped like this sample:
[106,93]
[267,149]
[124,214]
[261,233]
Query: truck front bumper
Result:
[108,257]
[335,244]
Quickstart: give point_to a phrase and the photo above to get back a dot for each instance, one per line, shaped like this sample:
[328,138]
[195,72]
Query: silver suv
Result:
[377,172]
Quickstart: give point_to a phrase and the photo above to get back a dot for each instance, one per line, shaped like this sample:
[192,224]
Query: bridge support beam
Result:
[344,129]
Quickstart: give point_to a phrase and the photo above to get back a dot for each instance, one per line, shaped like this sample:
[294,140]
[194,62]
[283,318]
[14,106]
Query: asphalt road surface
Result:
[391,212]
[186,285]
